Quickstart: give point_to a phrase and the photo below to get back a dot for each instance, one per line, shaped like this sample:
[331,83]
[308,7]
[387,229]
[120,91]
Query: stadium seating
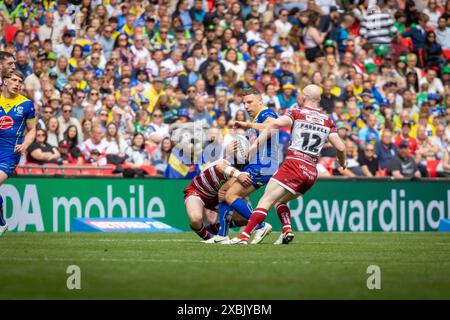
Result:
[432,167]
[328,162]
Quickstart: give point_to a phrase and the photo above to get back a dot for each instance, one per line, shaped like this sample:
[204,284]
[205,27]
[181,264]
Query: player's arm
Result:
[281,122]
[339,145]
[29,137]
[229,172]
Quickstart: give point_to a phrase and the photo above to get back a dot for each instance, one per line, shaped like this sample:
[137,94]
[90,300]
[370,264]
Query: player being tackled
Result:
[311,128]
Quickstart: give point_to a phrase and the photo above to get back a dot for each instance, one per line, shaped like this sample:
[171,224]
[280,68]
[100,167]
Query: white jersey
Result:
[310,130]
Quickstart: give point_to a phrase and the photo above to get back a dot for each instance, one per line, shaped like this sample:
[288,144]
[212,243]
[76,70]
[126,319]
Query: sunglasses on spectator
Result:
[157,116]
[103,114]
[94,93]
[125,82]
[191,91]
[67,110]
[163,32]
[48,111]
[213,53]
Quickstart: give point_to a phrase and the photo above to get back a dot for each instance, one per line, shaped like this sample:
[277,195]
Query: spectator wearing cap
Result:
[286,96]
[403,165]
[443,33]
[440,141]
[385,149]
[62,20]
[404,135]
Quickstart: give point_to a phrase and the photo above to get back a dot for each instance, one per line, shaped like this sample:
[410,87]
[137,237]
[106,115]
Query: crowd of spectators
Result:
[111,79]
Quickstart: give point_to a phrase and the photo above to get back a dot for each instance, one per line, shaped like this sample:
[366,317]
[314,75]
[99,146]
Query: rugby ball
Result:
[243,147]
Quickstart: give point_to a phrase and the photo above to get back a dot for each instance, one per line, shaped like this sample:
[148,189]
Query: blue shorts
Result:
[8,162]
[258,179]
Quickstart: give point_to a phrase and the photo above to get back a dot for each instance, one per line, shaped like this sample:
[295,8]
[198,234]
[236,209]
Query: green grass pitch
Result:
[178,266]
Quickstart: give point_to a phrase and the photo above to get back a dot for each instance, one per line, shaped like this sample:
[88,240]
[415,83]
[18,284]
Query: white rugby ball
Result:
[242,148]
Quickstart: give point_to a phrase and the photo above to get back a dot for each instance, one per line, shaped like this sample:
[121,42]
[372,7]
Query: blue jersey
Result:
[15,113]
[266,162]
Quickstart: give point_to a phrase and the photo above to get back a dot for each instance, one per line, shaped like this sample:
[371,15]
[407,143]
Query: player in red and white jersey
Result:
[311,128]
[205,190]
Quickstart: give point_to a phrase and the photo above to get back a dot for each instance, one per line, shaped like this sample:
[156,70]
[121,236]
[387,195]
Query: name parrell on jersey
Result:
[310,130]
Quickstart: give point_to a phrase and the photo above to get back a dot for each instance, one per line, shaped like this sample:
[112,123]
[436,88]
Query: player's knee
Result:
[230,198]
[196,224]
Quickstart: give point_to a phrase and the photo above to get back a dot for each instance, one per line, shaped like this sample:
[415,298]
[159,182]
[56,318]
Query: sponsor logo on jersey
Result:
[19,110]
[6,122]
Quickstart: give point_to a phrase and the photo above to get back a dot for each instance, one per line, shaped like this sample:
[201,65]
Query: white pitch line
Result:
[5,259]
[146,240]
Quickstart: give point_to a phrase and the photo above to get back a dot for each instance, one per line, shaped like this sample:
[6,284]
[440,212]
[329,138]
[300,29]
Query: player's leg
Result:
[273,193]
[194,209]
[284,214]
[235,198]
[3,226]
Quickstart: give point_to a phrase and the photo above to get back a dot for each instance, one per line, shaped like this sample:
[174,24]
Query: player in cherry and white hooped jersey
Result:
[311,128]
[204,193]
